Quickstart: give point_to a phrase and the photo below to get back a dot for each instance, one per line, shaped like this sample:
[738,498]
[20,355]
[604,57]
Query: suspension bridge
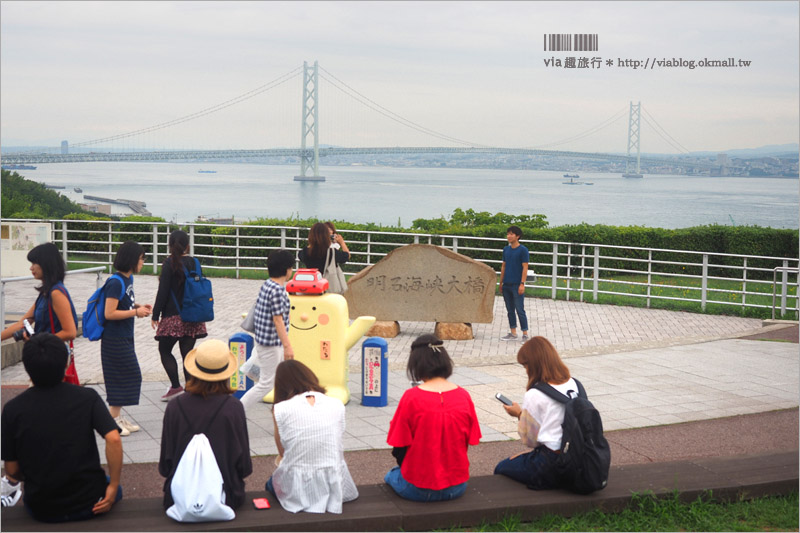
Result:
[310,152]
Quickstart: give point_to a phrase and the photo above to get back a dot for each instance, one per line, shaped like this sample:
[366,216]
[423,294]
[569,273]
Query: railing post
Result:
[704,283]
[649,275]
[583,271]
[191,239]
[283,237]
[155,248]
[63,246]
[237,252]
[3,304]
[455,244]
[554,272]
[569,269]
[784,286]
[416,239]
[744,283]
[110,251]
[596,273]
[369,248]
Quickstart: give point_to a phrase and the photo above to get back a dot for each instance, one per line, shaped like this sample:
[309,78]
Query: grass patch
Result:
[645,512]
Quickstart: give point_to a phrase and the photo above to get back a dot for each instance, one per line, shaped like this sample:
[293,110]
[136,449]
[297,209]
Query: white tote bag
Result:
[197,486]
[333,273]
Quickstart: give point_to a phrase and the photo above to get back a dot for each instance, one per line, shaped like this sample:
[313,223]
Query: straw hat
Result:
[211,361]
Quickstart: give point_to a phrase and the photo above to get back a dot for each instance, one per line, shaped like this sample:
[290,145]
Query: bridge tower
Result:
[633,140]
[310,124]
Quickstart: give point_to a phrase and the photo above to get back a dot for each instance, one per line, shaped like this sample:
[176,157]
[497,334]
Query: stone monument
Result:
[424,283]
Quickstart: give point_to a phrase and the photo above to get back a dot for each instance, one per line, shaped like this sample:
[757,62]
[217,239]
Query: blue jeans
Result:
[536,469]
[406,490]
[268,485]
[515,305]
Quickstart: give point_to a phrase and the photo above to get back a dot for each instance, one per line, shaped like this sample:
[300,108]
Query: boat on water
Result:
[576,176]
[632,175]
[572,181]
[206,171]
[77,189]
[18,167]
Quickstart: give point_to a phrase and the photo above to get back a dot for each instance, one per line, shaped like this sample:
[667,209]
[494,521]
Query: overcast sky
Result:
[471,70]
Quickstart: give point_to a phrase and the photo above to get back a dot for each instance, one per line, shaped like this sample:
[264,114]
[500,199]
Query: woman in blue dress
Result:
[121,372]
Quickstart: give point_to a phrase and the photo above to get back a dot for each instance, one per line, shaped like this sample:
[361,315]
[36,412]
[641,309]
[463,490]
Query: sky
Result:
[473,71]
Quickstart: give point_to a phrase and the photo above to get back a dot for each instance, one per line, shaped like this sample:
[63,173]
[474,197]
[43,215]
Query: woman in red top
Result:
[431,429]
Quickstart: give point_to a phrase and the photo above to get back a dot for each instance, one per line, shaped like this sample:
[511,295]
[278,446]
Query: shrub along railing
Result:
[597,272]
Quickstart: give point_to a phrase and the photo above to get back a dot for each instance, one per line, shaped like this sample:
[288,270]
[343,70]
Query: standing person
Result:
[513,274]
[321,237]
[48,266]
[312,475]
[540,417]
[48,440]
[208,394]
[433,426]
[166,319]
[121,372]
[271,325]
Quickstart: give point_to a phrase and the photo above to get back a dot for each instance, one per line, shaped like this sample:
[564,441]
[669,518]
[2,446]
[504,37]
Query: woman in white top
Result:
[312,475]
[540,417]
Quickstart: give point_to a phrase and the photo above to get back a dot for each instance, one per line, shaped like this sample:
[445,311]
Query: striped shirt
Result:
[272,300]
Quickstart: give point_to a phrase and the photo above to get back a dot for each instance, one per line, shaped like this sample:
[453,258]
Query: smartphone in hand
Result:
[503,399]
[261,503]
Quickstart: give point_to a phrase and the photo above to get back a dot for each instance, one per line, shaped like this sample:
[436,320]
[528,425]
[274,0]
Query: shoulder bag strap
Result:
[71,346]
[330,261]
[548,389]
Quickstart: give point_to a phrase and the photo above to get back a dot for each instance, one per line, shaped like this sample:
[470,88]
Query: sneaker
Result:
[130,425]
[524,338]
[10,493]
[123,431]
[509,337]
[171,393]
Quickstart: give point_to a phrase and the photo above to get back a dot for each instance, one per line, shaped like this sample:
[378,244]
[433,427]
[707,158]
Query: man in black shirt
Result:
[48,440]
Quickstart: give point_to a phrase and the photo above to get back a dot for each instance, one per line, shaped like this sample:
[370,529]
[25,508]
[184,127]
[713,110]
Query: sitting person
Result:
[540,417]
[312,475]
[207,400]
[48,440]
[431,429]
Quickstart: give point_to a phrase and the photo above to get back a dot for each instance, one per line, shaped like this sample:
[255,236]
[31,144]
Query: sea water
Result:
[388,195]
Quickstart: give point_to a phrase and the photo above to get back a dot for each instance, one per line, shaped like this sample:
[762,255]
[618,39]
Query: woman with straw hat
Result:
[208,396]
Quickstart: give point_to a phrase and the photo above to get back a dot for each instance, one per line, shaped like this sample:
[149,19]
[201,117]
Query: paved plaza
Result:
[641,367]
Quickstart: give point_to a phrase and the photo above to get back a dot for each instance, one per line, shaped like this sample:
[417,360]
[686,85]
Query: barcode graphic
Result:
[564,42]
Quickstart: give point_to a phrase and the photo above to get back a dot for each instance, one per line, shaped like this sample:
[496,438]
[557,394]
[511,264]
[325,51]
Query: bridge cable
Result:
[207,111]
[679,146]
[591,131]
[367,102]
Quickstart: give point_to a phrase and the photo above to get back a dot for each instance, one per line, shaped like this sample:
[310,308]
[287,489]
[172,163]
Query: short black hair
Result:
[49,259]
[279,262]
[429,359]
[516,230]
[44,357]
[128,256]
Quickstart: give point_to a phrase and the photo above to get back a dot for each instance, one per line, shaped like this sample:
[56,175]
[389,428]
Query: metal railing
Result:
[3,282]
[570,270]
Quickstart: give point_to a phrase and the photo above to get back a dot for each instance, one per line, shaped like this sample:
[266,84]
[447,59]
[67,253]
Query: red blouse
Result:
[437,427]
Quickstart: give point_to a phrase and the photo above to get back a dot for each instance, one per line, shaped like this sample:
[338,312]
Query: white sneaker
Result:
[130,426]
[123,431]
[10,493]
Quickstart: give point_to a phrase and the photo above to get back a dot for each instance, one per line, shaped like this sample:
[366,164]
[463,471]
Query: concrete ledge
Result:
[11,351]
[488,499]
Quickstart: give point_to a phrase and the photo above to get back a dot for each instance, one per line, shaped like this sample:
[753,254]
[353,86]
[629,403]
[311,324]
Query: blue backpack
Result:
[198,302]
[94,318]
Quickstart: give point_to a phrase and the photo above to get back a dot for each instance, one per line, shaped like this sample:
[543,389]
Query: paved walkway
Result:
[641,367]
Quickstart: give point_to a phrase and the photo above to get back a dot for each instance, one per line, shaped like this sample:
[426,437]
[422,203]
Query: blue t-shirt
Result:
[120,328]
[41,311]
[513,259]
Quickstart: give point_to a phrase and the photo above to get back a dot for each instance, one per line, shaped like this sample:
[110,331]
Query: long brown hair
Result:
[319,240]
[208,388]
[542,362]
[292,378]
[178,244]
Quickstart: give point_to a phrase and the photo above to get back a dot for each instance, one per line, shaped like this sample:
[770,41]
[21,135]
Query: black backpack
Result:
[585,455]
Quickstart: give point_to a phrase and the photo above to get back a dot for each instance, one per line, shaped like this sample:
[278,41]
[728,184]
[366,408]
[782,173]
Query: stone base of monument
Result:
[384,329]
[453,331]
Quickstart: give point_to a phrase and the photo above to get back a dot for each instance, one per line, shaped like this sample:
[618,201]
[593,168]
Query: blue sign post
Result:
[374,372]
[241,344]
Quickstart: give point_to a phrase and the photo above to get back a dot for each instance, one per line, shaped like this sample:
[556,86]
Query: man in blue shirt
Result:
[512,282]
